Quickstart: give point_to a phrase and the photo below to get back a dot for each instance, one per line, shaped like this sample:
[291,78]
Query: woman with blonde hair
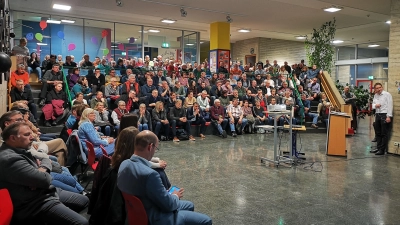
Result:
[87,132]
[160,121]
[144,121]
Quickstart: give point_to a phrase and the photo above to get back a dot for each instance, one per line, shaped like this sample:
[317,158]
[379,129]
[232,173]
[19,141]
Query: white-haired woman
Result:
[144,121]
[87,132]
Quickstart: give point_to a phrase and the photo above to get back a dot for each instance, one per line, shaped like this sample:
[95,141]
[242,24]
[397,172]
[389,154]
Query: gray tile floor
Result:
[225,179]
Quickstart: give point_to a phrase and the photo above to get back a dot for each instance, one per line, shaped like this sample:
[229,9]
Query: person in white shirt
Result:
[204,101]
[383,104]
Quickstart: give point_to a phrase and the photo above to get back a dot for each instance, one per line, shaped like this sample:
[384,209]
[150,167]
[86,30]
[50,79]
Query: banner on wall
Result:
[167,53]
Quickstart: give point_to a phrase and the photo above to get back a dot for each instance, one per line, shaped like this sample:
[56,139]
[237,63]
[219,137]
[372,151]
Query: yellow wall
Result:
[220,36]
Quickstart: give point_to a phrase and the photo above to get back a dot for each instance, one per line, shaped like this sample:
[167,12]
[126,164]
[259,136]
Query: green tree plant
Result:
[363,96]
[319,47]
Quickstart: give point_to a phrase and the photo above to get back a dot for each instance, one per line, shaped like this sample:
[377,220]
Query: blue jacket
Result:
[136,177]
[87,132]
[78,88]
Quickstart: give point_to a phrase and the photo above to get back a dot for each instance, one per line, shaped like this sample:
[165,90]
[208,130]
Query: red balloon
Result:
[43,24]
[104,33]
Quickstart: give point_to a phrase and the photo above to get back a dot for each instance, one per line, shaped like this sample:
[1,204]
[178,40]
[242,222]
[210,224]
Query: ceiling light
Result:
[53,21]
[388,22]
[145,31]
[153,31]
[201,42]
[373,46]
[333,9]
[68,21]
[41,43]
[61,7]
[244,30]
[114,46]
[337,41]
[168,21]
[130,39]
[189,44]
[301,37]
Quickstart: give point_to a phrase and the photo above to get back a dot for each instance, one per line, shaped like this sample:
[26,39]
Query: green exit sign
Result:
[165,45]
[370,77]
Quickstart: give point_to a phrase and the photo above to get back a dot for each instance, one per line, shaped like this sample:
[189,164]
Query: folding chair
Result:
[134,208]
[6,207]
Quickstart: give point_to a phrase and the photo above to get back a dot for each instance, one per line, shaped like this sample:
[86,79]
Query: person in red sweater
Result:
[20,74]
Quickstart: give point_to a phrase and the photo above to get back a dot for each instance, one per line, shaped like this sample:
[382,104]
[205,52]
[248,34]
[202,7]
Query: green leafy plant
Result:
[319,47]
[363,96]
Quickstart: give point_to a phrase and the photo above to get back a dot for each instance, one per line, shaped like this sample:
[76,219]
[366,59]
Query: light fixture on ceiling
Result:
[333,9]
[114,46]
[183,12]
[201,42]
[189,44]
[61,7]
[373,46]
[41,43]
[301,37]
[53,21]
[229,19]
[68,21]
[130,39]
[244,30]
[337,41]
[154,31]
[388,22]
[119,3]
[145,31]
[168,21]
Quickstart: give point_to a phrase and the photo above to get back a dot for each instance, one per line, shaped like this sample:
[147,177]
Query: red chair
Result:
[6,207]
[91,155]
[134,207]
[105,154]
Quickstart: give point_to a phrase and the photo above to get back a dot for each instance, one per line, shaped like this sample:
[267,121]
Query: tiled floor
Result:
[225,179]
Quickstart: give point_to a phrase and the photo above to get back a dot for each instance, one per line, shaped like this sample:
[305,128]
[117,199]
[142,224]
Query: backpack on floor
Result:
[181,134]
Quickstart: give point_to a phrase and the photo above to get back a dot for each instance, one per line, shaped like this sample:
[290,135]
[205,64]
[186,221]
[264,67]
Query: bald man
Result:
[136,177]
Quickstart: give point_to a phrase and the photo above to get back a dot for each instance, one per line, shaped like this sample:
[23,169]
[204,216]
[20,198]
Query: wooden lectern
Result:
[336,140]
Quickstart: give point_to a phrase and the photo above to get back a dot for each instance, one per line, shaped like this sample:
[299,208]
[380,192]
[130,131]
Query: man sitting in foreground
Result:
[136,177]
[28,182]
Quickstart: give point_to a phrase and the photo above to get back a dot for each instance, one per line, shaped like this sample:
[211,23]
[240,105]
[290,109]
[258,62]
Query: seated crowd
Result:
[150,101]
[139,88]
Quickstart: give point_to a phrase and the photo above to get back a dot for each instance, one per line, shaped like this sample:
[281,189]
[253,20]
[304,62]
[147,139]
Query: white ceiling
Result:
[360,21]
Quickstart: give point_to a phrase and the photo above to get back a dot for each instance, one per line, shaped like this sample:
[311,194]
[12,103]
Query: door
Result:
[250,59]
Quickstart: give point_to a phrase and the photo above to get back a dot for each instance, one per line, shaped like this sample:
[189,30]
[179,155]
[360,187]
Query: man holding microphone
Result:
[383,104]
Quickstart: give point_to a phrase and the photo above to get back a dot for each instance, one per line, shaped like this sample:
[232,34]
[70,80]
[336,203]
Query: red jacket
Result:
[16,76]
[51,111]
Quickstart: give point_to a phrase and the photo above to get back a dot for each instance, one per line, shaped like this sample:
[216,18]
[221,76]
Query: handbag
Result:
[250,118]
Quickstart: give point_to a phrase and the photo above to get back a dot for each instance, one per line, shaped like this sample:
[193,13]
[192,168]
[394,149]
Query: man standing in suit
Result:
[136,177]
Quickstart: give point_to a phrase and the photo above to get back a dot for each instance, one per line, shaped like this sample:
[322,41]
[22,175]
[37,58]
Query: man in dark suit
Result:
[157,80]
[28,180]
[136,177]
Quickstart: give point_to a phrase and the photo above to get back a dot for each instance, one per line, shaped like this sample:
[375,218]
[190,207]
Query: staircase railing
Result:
[334,96]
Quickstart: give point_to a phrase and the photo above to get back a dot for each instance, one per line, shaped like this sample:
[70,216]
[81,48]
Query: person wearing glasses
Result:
[87,131]
[383,104]
[112,74]
[135,177]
